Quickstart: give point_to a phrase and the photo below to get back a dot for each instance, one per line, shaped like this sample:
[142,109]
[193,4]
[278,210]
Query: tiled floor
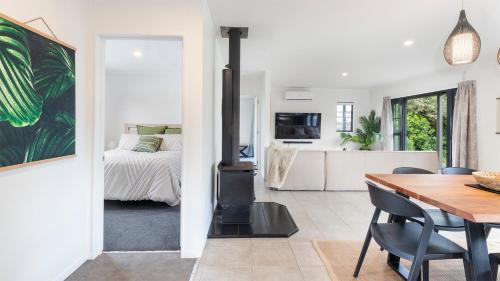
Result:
[133,266]
[319,215]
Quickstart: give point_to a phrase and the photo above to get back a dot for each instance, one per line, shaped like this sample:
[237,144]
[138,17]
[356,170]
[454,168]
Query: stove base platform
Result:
[269,219]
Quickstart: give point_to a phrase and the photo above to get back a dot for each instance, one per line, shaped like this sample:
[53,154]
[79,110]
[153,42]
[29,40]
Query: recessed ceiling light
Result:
[137,54]
[345,74]
[408,43]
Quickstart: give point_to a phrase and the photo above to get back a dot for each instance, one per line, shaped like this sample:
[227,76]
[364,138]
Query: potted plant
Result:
[367,135]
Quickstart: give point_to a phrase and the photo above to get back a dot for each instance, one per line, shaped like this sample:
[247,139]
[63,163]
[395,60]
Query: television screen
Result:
[298,125]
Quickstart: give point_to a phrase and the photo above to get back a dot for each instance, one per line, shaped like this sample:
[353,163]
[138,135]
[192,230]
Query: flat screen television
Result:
[298,125]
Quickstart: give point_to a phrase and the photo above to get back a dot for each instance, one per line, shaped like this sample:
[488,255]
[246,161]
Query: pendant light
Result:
[498,56]
[464,44]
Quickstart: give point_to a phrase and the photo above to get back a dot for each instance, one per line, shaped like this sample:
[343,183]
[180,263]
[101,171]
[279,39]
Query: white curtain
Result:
[464,146]
[386,126]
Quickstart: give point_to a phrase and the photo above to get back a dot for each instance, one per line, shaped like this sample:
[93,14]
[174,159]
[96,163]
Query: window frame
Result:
[402,102]
[344,117]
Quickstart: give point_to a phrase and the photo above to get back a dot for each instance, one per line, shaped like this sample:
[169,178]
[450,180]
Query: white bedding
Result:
[130,175]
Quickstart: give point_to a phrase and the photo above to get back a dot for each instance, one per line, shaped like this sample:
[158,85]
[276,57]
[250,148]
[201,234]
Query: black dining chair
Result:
[457,171]
[442,220]
[411,241]
[494,261]
[411,170]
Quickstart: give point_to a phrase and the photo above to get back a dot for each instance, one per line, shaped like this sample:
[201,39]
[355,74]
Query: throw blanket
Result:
[130,175]
[280,161]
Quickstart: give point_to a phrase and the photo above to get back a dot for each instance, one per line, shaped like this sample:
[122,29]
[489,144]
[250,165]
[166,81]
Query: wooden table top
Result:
[447,192]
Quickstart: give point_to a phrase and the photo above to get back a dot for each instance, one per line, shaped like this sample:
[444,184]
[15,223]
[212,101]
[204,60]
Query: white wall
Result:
[486,72]
[45,209]
[141,97]
[209,164]
[324,102]
[257,84]
[189,20]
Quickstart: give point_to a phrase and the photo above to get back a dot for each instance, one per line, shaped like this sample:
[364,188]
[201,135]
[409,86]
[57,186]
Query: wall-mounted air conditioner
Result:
[298,96]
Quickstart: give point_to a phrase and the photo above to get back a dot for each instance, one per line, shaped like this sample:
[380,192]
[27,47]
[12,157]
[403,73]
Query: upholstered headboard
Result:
[131,128]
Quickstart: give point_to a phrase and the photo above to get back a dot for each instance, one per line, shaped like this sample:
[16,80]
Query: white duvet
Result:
[130,175]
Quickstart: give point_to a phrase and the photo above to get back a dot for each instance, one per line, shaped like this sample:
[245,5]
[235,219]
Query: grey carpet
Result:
[141,226]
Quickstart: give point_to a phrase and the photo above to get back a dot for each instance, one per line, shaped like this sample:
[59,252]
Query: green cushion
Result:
[147,144]
[144,130]
[172,131]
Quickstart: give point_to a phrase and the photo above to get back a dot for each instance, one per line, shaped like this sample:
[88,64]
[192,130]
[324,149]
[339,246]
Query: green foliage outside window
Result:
[421,133]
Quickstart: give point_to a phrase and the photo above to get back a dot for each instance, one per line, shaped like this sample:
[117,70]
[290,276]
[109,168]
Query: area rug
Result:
[340,258]
[141,226]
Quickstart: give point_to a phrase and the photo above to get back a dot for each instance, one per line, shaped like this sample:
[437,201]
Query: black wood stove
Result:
[237,215]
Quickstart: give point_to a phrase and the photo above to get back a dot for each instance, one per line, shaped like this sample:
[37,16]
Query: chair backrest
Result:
[411,171]
[393,203]
[457,171]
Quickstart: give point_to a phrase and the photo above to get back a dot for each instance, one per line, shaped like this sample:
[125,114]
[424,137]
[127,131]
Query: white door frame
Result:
[97,194]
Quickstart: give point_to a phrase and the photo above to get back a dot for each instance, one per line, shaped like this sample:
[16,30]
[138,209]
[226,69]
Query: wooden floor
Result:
[320,216]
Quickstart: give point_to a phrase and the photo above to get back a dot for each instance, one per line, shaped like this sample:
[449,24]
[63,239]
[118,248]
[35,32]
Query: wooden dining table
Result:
[449,193]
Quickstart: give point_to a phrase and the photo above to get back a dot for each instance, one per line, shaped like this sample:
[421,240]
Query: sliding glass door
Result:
[423,123]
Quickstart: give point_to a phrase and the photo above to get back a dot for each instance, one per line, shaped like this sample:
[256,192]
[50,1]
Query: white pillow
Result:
[128,141]
[170,142]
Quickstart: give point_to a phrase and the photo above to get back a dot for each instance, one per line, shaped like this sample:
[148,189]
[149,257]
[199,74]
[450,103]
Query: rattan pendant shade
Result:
[464,44]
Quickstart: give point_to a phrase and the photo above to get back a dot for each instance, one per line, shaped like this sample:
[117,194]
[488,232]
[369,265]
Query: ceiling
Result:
[156,55]
[310,43]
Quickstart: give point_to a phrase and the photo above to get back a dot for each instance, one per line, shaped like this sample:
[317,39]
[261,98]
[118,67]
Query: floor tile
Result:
[315,273]
[272,254]
[276,273]
[226,256]
[305,254]
[210,273]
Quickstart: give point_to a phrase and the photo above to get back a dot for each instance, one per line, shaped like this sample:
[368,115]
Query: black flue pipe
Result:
[231,99]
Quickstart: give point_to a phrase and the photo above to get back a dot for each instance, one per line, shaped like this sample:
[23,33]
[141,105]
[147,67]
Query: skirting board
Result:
[70,269]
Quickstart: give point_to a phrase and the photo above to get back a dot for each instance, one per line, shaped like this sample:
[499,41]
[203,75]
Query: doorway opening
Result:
[142,144]
[249,120]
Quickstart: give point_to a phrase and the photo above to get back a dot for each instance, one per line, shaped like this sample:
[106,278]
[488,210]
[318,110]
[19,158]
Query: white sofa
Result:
[345,170]
[307,171]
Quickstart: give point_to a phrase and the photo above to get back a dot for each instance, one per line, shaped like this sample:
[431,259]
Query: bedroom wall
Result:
[45,209]
[324,102]
[187,19]
[141,97]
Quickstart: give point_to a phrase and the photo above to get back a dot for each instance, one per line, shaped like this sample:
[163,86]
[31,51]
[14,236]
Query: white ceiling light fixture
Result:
[464,44]
[345,74]
[137,54]
[408,43]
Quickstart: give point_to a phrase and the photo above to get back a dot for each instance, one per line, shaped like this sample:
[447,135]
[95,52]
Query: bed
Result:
[131,176]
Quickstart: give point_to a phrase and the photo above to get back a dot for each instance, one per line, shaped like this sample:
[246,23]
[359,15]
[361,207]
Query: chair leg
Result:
[389,220]
[494,269]
[487,230]
[425,271]
[362,255]
[415,270]
[467,270]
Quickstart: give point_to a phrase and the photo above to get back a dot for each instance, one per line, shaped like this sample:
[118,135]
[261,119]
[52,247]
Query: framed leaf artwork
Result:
[37,96]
